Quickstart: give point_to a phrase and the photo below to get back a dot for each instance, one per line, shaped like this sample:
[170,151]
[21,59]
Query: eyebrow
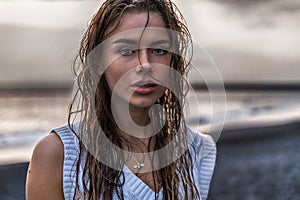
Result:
[131,41]
[126,41]
[163,41]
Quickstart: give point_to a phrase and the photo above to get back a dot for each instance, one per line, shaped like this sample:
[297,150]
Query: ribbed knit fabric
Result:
[203,153]
[71,154]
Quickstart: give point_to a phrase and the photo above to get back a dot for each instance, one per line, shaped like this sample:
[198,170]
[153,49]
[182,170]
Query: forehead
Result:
[131,21]
[140,27]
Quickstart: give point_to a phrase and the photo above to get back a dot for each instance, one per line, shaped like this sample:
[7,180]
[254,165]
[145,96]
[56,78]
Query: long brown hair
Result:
[100,180]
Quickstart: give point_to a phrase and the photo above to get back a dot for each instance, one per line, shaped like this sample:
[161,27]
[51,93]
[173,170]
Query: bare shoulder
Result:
[45,172]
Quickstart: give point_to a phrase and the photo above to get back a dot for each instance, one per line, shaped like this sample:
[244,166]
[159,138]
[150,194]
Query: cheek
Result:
[162,74]
[113,74]
[111,79]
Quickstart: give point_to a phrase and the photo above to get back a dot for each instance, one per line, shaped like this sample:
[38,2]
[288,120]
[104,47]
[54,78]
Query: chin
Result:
[142,102]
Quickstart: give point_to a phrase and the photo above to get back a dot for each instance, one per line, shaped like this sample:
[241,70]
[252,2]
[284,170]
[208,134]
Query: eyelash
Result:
[129,51]
[126,51]
[162,51]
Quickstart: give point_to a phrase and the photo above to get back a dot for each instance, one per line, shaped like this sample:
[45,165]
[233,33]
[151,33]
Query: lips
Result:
[144,84]
[144,87]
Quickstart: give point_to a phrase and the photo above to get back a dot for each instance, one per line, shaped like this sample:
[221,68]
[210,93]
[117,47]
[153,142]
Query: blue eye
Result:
[159,52]
[126,51]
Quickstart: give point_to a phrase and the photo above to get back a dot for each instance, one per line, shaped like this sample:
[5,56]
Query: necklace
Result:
[138,164]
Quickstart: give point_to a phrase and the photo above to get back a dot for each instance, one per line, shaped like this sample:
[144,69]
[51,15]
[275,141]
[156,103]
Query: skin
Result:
[128,67]
[133,55]
[44,177]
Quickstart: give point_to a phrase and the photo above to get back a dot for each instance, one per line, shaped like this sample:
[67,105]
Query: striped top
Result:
[134,188]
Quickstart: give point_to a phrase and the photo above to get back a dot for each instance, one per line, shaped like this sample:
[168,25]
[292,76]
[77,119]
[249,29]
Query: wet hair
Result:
[100,180]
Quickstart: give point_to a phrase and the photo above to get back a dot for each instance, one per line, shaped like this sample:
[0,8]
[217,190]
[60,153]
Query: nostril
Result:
[146,68]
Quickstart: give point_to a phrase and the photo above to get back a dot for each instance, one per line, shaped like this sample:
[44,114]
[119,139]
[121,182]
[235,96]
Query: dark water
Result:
[12,181]
[259,168]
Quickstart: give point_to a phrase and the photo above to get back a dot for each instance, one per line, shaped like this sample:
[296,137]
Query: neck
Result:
[134,124]
[139,115]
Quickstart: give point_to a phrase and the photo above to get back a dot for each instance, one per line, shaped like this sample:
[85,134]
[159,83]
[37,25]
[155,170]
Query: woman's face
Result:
[137,59]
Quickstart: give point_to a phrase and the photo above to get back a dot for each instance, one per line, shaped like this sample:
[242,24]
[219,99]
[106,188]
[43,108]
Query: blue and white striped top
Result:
[134,188]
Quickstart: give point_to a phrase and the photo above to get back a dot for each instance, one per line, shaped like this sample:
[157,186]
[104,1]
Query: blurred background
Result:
[254,44]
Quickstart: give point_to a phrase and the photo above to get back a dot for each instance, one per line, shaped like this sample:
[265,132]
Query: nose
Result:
[144,61]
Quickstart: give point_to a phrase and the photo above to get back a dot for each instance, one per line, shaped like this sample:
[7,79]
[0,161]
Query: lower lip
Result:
[144,90]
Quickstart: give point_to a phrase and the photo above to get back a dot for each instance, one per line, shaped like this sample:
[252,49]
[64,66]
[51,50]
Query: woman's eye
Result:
[126,51]
[159,51]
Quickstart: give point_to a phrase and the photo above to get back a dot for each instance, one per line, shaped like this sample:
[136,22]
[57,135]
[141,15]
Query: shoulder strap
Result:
[208,160]
[204,153]
[71,153]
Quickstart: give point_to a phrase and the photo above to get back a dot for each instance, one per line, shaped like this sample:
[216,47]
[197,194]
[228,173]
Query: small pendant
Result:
[138,165]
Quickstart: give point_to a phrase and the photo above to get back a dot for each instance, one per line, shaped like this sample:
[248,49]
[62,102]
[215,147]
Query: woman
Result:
[118,145]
